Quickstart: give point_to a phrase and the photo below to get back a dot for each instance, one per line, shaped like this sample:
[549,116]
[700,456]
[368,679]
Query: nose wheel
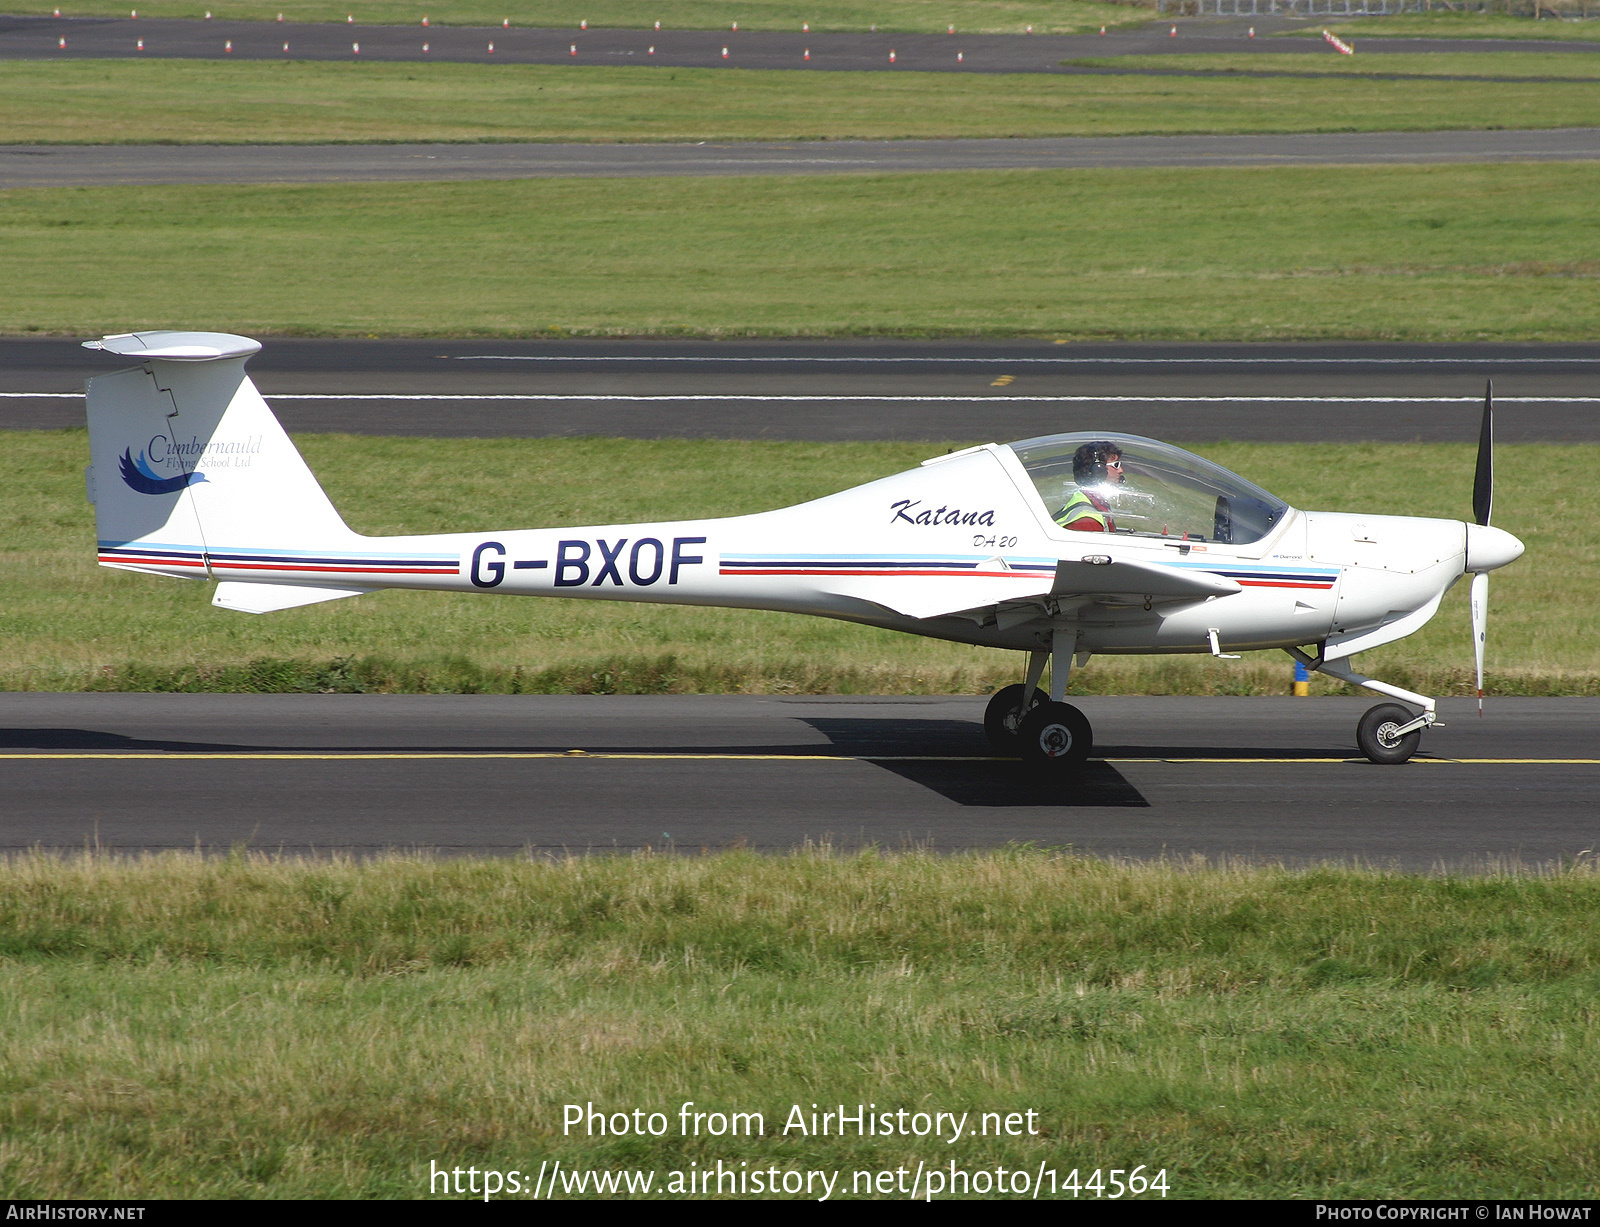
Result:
[1380,737]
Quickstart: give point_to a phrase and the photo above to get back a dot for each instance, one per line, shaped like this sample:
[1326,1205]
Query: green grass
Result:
[71,625]
[1469,25]
[251,1028]
[179,101]
[925,16]
[1557,64]
[1421,253]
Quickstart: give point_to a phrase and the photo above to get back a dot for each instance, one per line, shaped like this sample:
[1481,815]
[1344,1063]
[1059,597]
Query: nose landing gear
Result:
[1379,734]
[1388,733]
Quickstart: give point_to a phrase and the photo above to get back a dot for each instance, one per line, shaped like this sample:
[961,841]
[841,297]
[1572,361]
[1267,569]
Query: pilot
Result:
[1096,464]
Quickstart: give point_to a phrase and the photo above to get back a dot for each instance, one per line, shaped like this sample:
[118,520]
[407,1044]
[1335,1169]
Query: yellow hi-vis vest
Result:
[1084,506]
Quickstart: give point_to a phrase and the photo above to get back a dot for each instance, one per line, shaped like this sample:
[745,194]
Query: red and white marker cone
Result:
[1030,30]
[736,27]
[491,48]
[141,44]
[583,25]
[1102,29]
[355,48]
[424,19]
[1174,33]
[134,15]
[805,27]
[652,48]
[506,24]
[951,30]
[658,25]
[891,55]
[349,20]
[280,17]
[1252,33]
[58,12]
[808,53]
[960,56]
[724,53]
[573,50]
[62,44]
[208,14]
[424,48]
[227,47]
[286,46]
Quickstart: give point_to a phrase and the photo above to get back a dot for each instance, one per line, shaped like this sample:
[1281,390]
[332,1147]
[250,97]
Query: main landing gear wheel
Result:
[1055,738]
[1377,737]
[1003,716]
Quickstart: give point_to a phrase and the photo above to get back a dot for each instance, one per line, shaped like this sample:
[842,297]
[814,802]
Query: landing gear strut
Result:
[1050,736]
[1388,733]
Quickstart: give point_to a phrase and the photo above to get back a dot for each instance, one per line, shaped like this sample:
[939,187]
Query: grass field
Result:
[246,1028]
[1471,25]
[1547,65]
[1427,253]
[71,625]
[925,16]
[100,101]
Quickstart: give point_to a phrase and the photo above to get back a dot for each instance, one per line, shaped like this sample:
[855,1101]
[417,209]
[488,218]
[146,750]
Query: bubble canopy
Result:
[1158,491]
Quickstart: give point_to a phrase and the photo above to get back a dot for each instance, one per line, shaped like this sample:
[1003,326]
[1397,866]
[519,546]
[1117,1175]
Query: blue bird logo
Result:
[140,476]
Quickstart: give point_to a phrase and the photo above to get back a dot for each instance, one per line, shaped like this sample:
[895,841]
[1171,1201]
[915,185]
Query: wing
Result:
[1021,601]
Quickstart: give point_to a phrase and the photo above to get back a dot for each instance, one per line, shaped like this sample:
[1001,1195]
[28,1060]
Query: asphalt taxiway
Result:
[856,389]
[25,37]
[114,165]
[1272,779]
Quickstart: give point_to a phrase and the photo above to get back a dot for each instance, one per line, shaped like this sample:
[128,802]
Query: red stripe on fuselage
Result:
[283,566]
[941,574]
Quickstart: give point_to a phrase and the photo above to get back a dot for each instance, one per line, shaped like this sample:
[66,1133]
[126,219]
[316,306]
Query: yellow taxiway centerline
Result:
[359,755]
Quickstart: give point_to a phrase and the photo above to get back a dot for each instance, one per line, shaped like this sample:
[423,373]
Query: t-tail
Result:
[192,475]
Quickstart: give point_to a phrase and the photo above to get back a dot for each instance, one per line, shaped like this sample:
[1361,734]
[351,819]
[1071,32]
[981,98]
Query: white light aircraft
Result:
[1061,547]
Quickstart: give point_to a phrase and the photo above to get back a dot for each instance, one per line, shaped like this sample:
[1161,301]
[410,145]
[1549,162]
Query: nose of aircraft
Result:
[1490,548]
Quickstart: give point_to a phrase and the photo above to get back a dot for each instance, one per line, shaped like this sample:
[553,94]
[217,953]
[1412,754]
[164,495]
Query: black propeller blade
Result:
[1483,481]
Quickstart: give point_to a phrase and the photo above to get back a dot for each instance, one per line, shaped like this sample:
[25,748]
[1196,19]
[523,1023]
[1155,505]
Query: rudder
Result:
[187,462]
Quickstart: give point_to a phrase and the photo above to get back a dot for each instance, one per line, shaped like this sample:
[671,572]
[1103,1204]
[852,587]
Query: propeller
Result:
[1482,508]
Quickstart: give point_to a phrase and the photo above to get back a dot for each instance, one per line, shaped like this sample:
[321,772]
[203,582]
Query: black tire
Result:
[1055,738]
[1004,714]
[1375,734]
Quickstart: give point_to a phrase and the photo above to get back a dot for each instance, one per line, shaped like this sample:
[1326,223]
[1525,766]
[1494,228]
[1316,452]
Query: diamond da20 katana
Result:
[1059,547]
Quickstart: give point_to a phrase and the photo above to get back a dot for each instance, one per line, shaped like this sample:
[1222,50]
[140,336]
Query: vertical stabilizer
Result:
[188,463]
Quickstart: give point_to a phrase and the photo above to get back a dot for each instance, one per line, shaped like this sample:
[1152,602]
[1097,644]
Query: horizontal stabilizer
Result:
[1139,579]
[269,598]
[177,346]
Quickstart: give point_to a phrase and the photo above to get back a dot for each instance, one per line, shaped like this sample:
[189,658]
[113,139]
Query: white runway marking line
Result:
[575,755]
[1054,400]
[1065,359]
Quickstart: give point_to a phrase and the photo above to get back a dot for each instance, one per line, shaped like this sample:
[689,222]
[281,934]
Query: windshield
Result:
[1144,488]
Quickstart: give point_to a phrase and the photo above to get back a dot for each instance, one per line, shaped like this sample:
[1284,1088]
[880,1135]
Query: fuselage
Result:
[906,553]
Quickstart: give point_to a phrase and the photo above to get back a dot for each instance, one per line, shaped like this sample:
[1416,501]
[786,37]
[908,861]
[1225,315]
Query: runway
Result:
[23,37]
[859,389]
[1253,778]
[24,166]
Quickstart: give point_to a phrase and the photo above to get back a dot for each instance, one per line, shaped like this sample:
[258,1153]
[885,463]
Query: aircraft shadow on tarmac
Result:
[949,757]
[986,784]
